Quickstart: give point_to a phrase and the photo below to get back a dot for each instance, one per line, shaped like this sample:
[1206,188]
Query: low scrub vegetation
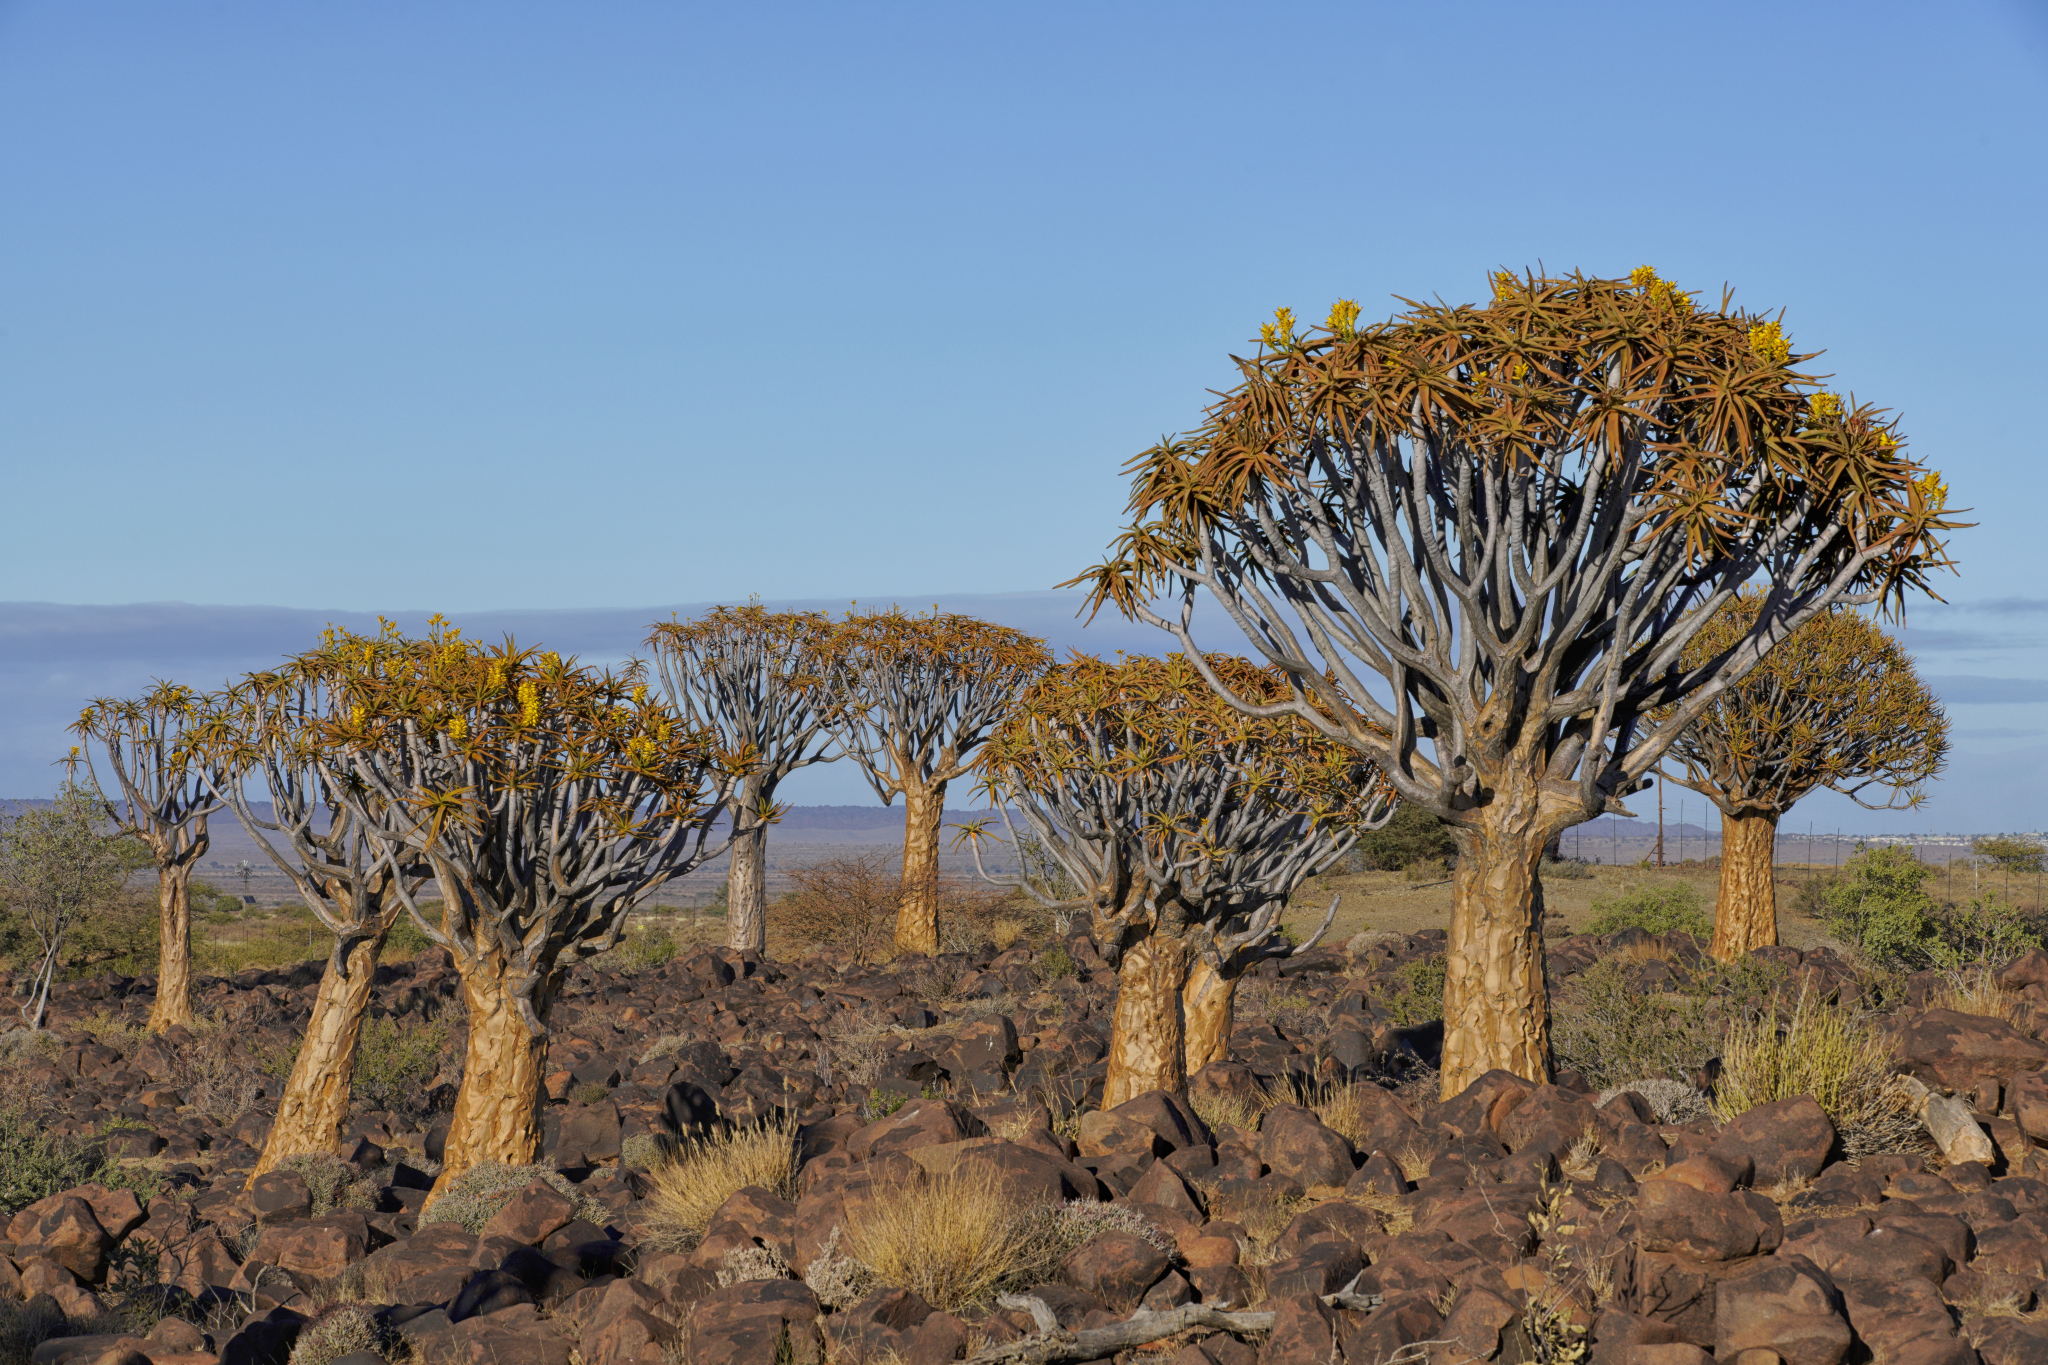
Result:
[955,1239]
[1653,907]
[1611,1030]
[475,1196]
[850,903]
[1879,903]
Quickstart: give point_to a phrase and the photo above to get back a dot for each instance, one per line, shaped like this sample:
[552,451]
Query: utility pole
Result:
[1660,819]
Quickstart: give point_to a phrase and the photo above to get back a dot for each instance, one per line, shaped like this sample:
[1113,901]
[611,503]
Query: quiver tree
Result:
[922,694]
[1836,705]
[57,866]
[1186,825]
[268,731]
[767,684]
[163,794]
[1479,540]
[545,798]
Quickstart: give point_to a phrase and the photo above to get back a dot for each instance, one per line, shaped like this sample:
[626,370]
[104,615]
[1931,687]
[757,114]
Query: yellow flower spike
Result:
[1503,283]
[1642,277]
[1824,406]
[529,702]
[1932,490]
[497,675]
[1768,341]
[1344,318]
[458,728]
[355,716]
[1521,370]
[640,694]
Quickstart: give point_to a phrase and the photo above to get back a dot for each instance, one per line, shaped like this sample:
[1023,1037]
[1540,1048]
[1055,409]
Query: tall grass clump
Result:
[702,1173]
[955,1239]
[1831,1053]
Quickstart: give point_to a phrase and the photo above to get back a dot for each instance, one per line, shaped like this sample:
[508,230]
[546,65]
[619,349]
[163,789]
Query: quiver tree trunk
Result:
[1208,1007]
[917,918]
[315,1102]
[1147,1041]
[1746,910]
[498,1108]
[746,878]
[174,948]
[1496,1004]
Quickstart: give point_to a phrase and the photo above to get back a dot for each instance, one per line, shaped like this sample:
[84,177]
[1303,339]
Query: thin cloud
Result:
[1968,689]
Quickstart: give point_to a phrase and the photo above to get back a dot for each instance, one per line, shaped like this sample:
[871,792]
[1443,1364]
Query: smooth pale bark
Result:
[917,917]
[1147,1042]
[315,1102]
[1208,1007]
[746,880]
[173,1004]
[1746,910]
[498,1109]
[1496,1004]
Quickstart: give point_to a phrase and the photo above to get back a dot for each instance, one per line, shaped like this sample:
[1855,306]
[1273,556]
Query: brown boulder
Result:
[1786,1304]
[1294,1142]
[1706,1227]
[1549,1117]
[1117,1267]
[1162,1185]
[1482,1106]
[1900,1319]
[1954,1051]
[280,1197]
[1783,1140]
[68,1234]
[919,1123]
[321,1249]
[1303,1330]
[1104,1132]
[532,1215]
[2026,1099]
[1169,1116]
[756,1321]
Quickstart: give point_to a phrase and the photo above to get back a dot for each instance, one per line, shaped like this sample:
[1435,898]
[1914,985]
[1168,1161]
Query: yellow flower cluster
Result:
[1824,407]
[529,702]
[458,728]
[1279,333]
[1663,293]
[1932,490]
[1344,318]
[497,676]
[1768,340]
[639,750]
[1504,283]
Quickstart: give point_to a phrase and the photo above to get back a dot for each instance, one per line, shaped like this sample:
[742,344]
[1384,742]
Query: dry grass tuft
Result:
[1263,1219]
[1974,990]
[1582,1158]
[1230,1111]
[702,1174]
[955,1239]
[1832,1053]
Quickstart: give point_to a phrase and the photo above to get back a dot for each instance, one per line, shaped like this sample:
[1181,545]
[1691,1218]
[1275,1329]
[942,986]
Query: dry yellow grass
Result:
[1830,1052]
[953,1239]
[1229,1111]
[1974,990]
[704,1173]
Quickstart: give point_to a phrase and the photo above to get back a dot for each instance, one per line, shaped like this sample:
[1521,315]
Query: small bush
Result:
[1005,933]
[848,902]
[1411,836]
[1653,907]
[1055,963]
[1567,870]
[1671,1101]
[1418,995]
[954,1240]
[1832,1053]
[473,1198]
[1609,1031]
[1230,1111]
[342,1332]
[1880,904]
[396,1059]
[332,1182]
[1426,870]
[751,1263]
[837,1279]
[703,1173]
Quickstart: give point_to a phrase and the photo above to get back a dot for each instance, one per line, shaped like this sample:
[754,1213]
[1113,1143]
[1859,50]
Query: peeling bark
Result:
[498,1109]
[917,918]
[173,1004]
[1496,1003]
[315,1102]
[1208,1007]
[1147,1041]
[1746,909]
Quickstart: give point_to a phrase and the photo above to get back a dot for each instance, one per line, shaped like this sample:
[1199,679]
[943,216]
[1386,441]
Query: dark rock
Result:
[532,1215]
[1708,1227]
[1957,1051]
[1783,1140]
[1294,1142]
[1786,1304]
[489,1291]
[1116,1266]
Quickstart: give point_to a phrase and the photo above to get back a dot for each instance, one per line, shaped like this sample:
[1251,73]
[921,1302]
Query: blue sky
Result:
[496,307]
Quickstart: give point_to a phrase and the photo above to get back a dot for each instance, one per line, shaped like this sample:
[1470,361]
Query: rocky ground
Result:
[1372,1221]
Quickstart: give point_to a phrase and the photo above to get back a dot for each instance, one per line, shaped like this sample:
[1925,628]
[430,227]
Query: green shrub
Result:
[1055,962]
[473,1197]
[395,1061]
[332,1183]
[1833,1053]
[1418,995]
[1413,835]
[1880,904]
[36,1163]
[1567,870]
[1983,931]
[1612,1032]
[404,940]
[1653,907]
